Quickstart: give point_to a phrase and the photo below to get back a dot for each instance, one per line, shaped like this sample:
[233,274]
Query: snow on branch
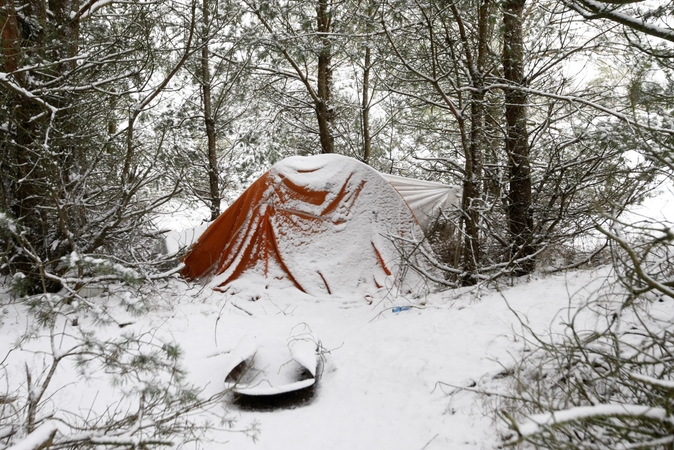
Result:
[579,100]
[592,9]
[541,422]
[38,439]
[6,80]
[663,384]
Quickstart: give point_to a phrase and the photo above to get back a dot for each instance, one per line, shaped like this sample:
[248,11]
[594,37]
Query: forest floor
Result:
[391,378]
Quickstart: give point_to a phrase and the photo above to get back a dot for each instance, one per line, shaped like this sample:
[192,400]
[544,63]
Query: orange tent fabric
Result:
[323,223]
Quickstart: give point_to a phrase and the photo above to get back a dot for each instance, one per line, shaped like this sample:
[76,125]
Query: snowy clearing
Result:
[386,375]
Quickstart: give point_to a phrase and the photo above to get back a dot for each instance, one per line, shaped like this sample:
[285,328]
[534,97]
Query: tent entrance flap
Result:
[426,198]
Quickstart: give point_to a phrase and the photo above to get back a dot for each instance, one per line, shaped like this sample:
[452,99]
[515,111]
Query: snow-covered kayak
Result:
[263,366]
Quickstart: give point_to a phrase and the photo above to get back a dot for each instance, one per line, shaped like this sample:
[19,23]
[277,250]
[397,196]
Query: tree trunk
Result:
[324,112]
[367,139]
[11,51]
[520,222]
[67,33]
[474,148]
[213,181]
[472,188]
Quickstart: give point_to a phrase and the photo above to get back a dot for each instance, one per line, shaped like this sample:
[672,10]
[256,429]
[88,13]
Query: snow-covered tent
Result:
[321,223]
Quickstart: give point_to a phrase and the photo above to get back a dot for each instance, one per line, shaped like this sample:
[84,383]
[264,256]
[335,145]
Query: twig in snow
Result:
[470,388]
[429,442]
[244,310]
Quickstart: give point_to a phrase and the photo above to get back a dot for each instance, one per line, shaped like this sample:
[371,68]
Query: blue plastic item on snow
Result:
[398,309]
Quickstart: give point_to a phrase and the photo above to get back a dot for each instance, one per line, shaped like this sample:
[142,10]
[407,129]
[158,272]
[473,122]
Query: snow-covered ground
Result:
[387,376]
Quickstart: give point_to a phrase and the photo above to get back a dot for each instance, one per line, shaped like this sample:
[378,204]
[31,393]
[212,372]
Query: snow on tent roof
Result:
[322,223]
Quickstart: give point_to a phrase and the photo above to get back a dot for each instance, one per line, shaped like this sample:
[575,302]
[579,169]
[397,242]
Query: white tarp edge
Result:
[425,198]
